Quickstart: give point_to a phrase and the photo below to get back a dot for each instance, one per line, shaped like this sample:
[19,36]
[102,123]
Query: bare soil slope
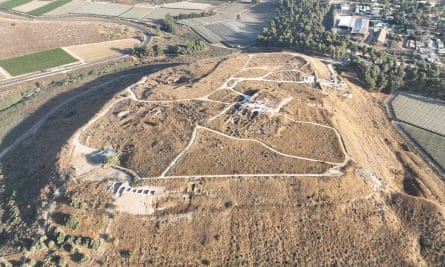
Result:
[378,204]
[385,209]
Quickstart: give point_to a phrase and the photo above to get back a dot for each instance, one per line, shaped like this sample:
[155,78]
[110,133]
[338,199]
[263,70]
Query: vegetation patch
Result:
[13,3]
[72,222]
[431,142]
[37,61]
[47,8]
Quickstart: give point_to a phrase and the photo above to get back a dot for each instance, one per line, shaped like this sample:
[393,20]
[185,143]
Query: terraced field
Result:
[432,143]
[48,7]
[422,112]
[235,24]
[13,3]
[31,6]
[65,9]
[36,62]
[136,13]
[103,9]
[423,119]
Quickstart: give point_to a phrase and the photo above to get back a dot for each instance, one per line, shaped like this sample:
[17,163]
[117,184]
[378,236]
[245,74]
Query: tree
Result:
[148,51]
[190,47]
[167,24]
[158,50]
[72,222]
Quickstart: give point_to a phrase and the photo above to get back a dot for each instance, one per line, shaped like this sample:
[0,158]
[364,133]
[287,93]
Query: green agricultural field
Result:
[45,9]
[13,3]
[432,143]
[37,61]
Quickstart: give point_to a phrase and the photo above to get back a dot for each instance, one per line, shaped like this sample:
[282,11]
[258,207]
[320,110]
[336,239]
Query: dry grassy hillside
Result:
[240,163]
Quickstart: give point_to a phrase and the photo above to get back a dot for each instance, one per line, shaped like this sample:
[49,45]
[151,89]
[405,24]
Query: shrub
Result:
[167,24]
[93,244]
[71,222]
[51,244]
[60,238]
[229,204]
[79,257]
[205,262]
[125,253]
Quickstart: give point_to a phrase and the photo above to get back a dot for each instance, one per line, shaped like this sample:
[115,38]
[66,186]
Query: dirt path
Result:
[4,73]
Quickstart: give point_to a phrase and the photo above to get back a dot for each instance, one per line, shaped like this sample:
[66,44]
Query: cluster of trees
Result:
[305,25]
[195,15]
[191,47]
[302,25]
[55,237]
[148,51]
[168,24]
[380,72]
[411,15]
[421,18]
[425,78]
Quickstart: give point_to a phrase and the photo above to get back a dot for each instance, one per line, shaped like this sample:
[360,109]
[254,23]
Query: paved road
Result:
[17,15]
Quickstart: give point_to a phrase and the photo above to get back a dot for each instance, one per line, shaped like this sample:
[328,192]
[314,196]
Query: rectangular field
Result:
[103,9]
[92,52]
[187,5]
[136,13]
[432,143]
[159,13]
[237,24]
[13,3]
[31,6]
[210,2]
[37,61]
[65,9]
[422,112]
[47,8]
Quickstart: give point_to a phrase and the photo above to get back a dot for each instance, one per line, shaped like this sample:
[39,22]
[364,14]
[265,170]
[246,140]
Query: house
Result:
[360,28]
[356,26]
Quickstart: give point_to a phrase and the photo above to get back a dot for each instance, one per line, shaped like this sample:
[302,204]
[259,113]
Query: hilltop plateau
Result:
[240,160]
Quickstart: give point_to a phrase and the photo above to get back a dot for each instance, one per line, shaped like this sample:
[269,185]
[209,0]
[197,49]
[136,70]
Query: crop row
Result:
[421,112]
[37,61]
[432,143]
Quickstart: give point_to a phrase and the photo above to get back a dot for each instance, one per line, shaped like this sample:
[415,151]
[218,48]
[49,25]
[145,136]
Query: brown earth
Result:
[348,220]
[92,52]
[214,154]
[373,143]
[278,60]
[200,79]
[292,76]
[282,134]
[26,37]
[285,221]
[306,103]
[252,73]
[151,135]
[225,95]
